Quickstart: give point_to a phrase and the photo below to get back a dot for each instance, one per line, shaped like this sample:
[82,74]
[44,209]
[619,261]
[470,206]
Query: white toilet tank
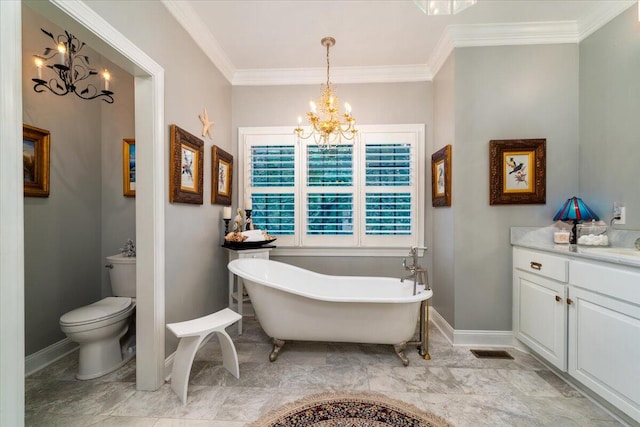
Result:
[122,272]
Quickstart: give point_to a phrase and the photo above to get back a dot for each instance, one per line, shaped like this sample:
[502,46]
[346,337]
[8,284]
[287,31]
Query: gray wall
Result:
[504,93]
[610,118]
[118,211]
[63,233]
[443,230]
[397,103]
[195,270]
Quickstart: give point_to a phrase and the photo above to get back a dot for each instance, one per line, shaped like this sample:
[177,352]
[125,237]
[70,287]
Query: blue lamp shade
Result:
[575,209]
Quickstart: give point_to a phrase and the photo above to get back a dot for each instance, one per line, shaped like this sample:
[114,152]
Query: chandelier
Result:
[325,118]
[70,68]
[443,7]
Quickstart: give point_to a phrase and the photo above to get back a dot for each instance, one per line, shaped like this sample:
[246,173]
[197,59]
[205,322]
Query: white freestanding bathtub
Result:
[292,303]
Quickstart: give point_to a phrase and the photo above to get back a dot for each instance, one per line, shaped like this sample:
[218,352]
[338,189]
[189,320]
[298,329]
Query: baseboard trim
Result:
[45,357]
[442,325]
[472,337]
[168,366]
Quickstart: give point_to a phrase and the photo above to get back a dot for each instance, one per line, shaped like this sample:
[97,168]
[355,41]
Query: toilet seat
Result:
[105,309]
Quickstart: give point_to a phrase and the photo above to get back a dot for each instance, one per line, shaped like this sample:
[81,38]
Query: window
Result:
[366,194]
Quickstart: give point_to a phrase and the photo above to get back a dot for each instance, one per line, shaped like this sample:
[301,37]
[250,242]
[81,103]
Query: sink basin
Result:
[626,252]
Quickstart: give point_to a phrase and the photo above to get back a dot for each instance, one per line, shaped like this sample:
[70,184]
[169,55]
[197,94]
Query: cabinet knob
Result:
[569,301]
[536,265]
[558,298]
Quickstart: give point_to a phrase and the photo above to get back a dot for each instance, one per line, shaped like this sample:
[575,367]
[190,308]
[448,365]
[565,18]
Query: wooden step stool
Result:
[192,333]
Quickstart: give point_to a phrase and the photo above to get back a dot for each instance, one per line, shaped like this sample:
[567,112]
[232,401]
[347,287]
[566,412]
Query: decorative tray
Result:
[247,245]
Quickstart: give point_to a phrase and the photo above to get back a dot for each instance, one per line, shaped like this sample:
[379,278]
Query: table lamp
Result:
[576,210]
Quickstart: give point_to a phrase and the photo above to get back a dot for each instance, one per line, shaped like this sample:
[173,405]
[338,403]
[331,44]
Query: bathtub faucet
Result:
[417,273]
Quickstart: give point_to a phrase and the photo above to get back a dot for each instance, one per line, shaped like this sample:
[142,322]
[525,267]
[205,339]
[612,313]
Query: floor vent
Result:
[491,354]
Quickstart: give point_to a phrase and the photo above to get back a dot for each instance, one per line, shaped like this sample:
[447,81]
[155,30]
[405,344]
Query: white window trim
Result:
[291,245]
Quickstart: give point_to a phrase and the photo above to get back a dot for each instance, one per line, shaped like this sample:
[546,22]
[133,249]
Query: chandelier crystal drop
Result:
[71,68]
[328,126]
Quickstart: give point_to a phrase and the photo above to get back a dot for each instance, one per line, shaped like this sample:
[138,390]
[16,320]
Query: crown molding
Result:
[523,33]
[511,34]
[474,35]
[195,27]
[605,12]
[341,75]
[441,52]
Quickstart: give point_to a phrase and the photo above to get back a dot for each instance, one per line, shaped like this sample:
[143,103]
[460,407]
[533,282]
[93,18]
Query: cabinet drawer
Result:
[546,265]
[619,282]
[260,255]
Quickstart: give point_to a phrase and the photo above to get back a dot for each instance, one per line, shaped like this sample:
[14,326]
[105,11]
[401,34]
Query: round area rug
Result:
[345,409]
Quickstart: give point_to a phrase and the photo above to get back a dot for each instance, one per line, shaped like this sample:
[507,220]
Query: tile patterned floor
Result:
[454,384]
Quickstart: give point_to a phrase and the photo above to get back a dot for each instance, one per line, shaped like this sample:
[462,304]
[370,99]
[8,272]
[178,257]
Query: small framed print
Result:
[186,172]
[35,161]
[221,176]
[129,167]
[517,172]
[441,177]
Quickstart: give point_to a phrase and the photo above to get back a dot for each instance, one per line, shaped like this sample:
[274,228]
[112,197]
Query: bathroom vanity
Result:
[579,309]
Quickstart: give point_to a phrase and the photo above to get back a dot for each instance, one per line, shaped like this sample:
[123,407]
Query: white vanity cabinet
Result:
[539,308]
[604,332]
[582,316]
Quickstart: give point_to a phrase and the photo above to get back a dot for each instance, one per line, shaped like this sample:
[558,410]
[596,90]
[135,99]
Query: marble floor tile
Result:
[413,379]
[54,420]
[481,410]
[177,422]
[330,377]
[203,402]
[558,383]
[567,411]
[245,404]
[75,397]
[302,353]
[528,383]
[454,384]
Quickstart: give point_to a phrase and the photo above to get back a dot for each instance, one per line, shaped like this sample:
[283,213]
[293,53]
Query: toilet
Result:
[101,329]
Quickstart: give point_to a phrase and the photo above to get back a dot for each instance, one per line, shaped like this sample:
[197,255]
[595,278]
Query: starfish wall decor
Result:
[206,123]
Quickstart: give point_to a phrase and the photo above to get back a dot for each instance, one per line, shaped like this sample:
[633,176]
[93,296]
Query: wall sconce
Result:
[71,67]
[575,209]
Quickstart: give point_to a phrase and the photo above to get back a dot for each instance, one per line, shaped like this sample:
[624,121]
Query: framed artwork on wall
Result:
[221,176]
[517,171]
[35,161]
[186,172]
[441,177]
[129,167]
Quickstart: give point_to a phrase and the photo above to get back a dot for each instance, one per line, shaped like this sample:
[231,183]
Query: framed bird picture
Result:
[441,177]
[186,171]
[517,171]
[221,176]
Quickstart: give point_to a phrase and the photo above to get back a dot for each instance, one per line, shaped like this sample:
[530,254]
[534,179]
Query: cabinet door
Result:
[540,316]
[604,347]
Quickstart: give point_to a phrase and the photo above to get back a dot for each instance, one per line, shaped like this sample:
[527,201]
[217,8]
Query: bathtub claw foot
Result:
[277,346]
[399,348]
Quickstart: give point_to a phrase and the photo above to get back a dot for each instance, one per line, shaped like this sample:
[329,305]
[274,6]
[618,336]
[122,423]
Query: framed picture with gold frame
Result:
[441,177]
[517,171]
[186,172]
[35,161]
[129,167]
[221,176]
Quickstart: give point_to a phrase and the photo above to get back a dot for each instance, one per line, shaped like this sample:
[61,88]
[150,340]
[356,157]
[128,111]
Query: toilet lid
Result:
[101,310]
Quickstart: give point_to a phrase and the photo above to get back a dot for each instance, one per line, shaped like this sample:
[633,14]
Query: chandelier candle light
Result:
[70,67]
[324,117]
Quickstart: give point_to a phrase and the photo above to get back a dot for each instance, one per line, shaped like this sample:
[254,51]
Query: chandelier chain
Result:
[328,125]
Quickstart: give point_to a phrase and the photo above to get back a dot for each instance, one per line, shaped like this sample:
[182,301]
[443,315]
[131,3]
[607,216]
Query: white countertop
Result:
[621,249]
